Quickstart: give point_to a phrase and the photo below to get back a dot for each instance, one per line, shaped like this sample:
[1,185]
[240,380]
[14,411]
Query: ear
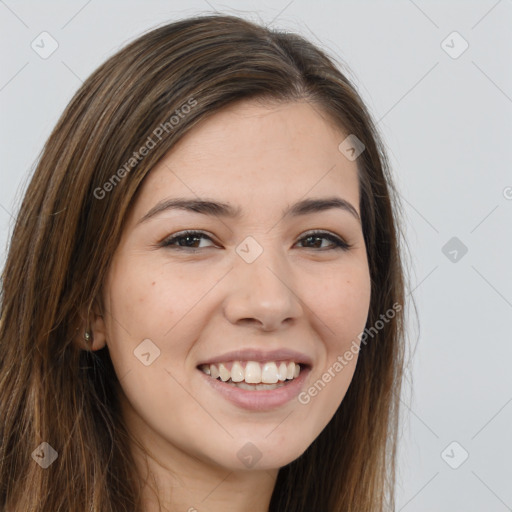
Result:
[94,324]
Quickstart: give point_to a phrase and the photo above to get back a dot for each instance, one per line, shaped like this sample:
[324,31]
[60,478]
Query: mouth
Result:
[256,385]
[254,375]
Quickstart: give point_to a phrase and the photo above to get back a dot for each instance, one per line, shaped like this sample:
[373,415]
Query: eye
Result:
[185,240]
[314,236]
[189,240]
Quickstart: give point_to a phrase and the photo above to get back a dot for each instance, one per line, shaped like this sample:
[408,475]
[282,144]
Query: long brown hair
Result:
[69,225]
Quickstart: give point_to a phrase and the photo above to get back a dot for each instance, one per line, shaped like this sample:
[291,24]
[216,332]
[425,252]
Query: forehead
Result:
[251,155]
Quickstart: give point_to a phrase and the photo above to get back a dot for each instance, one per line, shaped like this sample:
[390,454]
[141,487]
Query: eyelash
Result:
[338,242]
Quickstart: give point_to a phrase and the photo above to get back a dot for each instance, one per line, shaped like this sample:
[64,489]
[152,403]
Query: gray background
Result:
[447,123]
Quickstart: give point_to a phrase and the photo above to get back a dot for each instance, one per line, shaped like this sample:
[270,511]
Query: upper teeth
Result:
[254,372]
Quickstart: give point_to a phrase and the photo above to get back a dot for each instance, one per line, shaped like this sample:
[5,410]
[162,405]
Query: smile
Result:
[252,375]
[257,386]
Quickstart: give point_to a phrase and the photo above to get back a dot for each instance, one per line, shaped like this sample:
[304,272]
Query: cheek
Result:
[343,305]
[148,315]
[147,302]
[139,309]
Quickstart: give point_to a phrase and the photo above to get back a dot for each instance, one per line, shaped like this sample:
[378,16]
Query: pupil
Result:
[188,239]
[313,237]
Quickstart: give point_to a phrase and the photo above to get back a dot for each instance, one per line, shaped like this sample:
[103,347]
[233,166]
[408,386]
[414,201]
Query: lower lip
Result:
[259,400]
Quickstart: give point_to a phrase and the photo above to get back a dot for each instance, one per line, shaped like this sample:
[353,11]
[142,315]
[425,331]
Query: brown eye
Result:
[315,239]
[186,239]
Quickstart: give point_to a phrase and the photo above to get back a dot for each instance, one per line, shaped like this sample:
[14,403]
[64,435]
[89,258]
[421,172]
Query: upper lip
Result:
[260,355]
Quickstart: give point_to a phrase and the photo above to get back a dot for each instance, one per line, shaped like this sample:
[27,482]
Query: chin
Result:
[260,454]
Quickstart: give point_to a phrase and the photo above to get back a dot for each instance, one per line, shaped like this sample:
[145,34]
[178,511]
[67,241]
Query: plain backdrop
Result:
[437,79]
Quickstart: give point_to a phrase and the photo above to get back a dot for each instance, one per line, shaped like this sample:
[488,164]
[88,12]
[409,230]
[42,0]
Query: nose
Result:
[263,293]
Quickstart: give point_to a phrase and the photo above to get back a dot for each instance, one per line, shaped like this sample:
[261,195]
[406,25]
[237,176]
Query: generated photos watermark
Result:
[150,143]
[343,360]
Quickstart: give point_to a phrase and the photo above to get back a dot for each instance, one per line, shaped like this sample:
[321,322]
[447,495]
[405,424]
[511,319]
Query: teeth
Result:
[237,372]
[214,372]
[225,374]
[258,387]
[290,372]
[268,375]
[282,372]
[252,373]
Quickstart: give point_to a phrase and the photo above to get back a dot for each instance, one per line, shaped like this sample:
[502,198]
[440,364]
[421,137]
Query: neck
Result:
[207,489]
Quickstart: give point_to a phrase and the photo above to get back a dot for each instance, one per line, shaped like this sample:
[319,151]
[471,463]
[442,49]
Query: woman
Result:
[202,300]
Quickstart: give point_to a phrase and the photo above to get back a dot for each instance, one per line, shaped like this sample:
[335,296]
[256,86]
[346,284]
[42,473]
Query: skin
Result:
[194,305]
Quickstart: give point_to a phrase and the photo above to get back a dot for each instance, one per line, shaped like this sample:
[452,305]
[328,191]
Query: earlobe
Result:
[97,329]
[97,333]
[91,334]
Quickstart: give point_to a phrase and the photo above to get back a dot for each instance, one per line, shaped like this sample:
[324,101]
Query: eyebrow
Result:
[215,208]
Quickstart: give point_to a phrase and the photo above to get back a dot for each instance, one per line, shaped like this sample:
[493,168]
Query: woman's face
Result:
[253,296]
